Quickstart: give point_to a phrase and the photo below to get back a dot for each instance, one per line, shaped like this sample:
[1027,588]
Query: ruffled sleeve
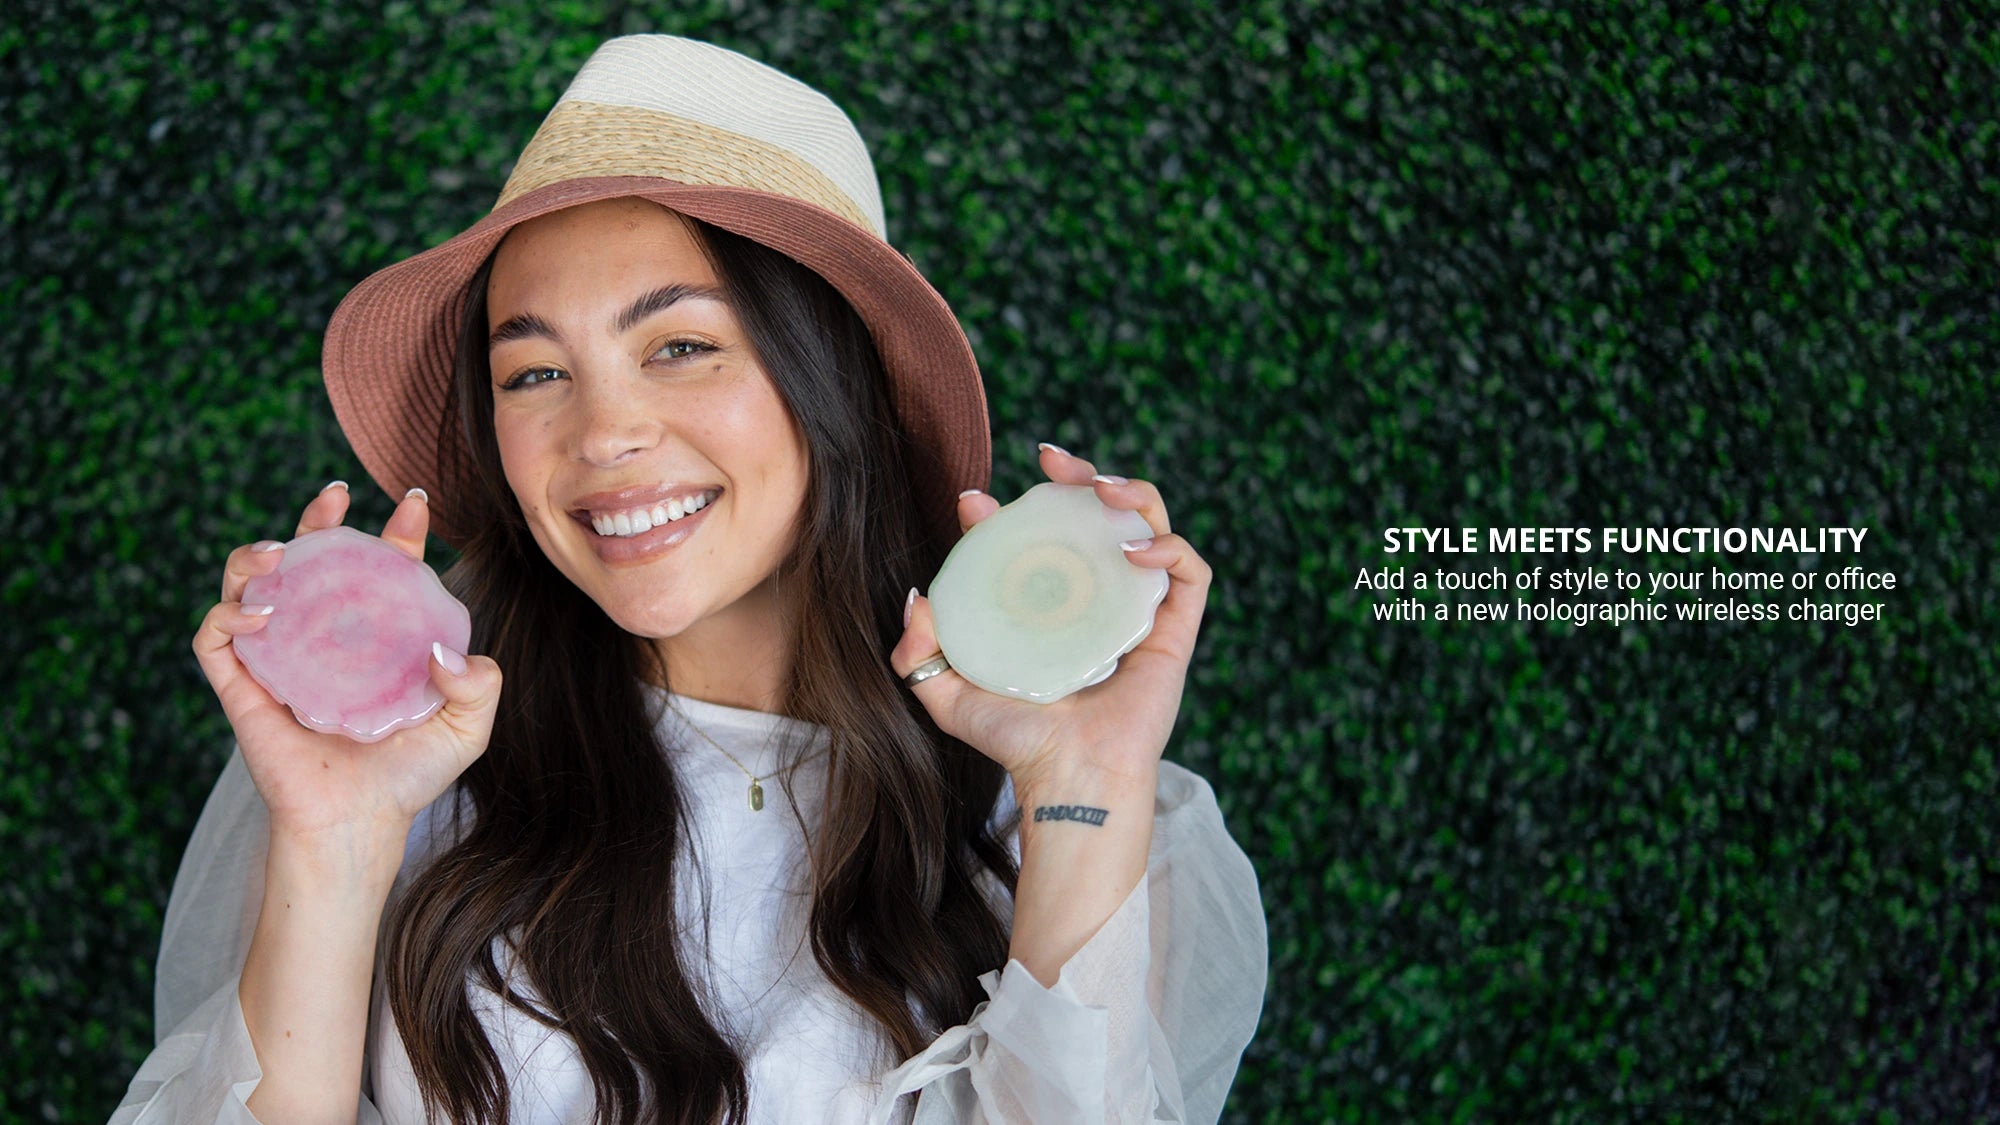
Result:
[1146,1022]
[203,1067]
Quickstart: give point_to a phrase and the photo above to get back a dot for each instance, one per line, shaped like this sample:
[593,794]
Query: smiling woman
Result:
[605,406]
[698,432]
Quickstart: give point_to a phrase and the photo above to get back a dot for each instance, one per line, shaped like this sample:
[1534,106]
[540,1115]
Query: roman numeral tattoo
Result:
[1083,814]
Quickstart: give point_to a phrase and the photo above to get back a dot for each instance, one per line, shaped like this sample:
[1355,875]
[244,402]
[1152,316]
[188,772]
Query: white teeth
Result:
[640,520]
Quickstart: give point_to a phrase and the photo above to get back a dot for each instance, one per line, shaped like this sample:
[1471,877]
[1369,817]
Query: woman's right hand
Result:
[314,782]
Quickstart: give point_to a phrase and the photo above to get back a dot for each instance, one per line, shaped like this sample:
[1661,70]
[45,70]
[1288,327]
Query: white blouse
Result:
[1146,1022]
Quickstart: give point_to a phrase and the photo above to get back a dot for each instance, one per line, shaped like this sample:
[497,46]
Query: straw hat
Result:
[711,134]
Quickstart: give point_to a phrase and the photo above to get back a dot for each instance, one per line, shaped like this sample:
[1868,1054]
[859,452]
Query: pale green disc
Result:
[1038,601]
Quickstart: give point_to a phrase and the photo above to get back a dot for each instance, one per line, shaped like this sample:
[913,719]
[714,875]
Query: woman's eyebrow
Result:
[522,327]
[528,325]
[662,298]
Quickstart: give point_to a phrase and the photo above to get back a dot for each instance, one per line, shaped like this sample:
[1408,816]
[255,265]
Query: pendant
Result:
[756,796]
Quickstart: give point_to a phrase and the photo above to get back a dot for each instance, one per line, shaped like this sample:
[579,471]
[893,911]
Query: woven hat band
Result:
[586,139]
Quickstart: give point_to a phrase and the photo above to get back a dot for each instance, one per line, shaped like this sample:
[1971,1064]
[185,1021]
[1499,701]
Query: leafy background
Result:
[1316,270]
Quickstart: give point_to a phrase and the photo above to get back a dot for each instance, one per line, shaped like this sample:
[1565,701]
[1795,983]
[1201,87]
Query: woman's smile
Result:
[635,520]
[638,534]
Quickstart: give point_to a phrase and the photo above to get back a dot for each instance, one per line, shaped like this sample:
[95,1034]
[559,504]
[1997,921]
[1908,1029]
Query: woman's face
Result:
[624,386]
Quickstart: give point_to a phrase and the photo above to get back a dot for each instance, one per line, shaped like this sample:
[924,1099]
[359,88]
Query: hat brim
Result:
[390,343]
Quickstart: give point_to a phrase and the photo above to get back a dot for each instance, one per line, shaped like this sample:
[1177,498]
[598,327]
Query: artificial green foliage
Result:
[1315,270]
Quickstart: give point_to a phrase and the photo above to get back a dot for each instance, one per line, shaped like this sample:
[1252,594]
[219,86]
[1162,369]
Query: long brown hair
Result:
[576,814]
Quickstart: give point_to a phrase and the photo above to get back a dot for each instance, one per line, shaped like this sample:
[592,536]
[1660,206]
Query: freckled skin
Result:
[615,409]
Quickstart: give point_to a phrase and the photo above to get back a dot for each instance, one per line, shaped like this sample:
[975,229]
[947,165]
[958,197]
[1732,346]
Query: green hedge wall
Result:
[1314,269]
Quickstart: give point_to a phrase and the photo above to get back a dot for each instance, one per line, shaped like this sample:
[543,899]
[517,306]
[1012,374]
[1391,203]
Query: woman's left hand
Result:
[1118,727]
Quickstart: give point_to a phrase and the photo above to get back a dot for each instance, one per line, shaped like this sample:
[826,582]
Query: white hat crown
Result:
[693,112]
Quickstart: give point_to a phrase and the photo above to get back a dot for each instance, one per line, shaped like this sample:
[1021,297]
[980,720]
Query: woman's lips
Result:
[637,496]
[647,544]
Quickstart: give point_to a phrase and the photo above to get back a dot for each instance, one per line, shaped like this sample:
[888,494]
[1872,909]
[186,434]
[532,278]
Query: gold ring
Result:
[935,666]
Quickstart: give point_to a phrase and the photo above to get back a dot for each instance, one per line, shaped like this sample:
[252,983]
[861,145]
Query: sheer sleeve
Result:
[1146,1022]
[203,1068]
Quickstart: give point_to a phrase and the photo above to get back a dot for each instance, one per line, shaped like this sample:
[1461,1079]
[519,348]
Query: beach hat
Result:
[712,134]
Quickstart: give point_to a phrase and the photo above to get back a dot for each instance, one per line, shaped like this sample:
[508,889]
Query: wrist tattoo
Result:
[1081,813]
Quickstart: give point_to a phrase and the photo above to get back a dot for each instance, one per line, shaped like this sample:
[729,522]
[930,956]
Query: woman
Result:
[558,900]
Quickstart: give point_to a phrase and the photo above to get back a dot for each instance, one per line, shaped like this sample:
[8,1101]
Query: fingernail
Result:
[1135,545]
[908,603]
[252,609]
[968,492]
[418,493]
[452,662]
[1109,479]
[334,484]
[266,545]
[1057,448]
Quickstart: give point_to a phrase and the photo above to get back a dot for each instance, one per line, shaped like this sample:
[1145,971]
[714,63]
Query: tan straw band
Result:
[584,139]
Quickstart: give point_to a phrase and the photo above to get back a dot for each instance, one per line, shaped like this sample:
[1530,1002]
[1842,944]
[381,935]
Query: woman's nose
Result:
[612,424]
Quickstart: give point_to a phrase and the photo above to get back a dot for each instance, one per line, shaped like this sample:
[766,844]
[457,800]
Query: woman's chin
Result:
[654,623]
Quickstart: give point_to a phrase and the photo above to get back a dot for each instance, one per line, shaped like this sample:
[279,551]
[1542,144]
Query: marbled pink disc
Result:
[348,647]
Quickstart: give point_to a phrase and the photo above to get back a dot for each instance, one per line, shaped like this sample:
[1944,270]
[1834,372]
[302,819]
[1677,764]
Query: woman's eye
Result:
[522,379]
[681,349]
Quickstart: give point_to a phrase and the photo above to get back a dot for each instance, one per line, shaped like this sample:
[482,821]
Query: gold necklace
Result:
[756,790]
